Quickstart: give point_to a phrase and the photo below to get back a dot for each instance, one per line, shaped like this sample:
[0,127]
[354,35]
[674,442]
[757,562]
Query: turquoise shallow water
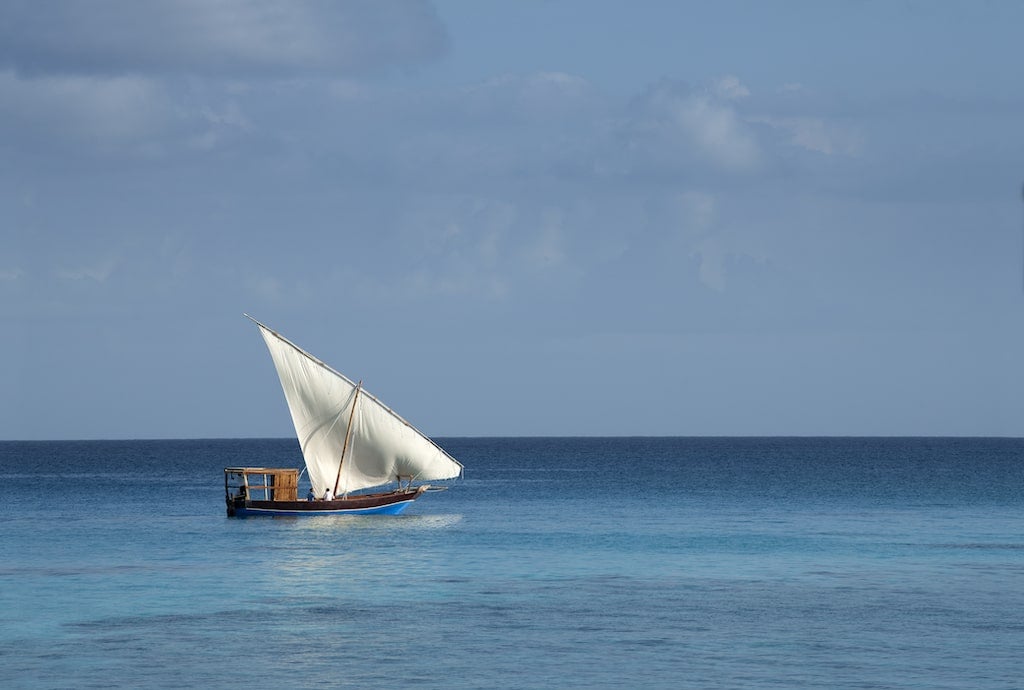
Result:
[760,563]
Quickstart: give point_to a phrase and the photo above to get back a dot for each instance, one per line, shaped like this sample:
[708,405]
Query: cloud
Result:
[816,134]
[547,250]
[538,96]
[122,115]
[697,211]
[718,132]
[98,272]
[703,227]
[711,271]
[10,275]
[673,127]
[101,111]
[729,88]
[216,37]
[457,244]
[267,288]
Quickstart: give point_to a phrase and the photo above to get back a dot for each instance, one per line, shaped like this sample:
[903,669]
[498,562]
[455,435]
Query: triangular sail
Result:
[382,446]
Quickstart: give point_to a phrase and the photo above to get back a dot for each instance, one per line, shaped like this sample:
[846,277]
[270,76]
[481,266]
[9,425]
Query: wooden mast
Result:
[348,435]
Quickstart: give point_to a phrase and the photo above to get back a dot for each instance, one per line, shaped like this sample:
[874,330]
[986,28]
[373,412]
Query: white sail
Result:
[381,446]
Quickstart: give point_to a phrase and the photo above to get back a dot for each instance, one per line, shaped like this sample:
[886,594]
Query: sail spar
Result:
[381,447]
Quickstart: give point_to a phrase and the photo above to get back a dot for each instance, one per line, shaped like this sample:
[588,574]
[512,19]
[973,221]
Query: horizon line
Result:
[537,436]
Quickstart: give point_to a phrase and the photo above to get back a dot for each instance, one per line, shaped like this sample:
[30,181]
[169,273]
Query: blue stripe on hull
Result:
[390,509]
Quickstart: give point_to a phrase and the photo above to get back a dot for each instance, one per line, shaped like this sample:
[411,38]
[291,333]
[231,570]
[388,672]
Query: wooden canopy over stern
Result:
[270,483]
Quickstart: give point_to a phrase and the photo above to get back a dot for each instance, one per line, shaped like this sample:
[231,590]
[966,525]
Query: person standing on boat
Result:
[328,496]
[311,496]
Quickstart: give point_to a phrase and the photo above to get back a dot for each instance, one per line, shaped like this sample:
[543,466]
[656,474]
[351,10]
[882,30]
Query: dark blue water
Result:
[570,563]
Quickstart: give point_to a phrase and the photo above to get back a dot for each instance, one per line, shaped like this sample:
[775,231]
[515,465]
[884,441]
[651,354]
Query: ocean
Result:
[554,563]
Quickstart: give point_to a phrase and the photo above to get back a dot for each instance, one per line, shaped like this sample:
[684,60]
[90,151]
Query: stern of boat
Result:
[243,484]
[236,504]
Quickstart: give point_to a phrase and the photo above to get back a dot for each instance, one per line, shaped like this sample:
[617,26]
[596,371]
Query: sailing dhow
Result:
[350,440]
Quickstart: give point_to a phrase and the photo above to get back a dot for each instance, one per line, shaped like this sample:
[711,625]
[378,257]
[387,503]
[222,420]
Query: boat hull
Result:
[391,503]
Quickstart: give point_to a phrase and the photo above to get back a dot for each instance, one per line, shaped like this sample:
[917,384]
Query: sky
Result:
[530,218]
